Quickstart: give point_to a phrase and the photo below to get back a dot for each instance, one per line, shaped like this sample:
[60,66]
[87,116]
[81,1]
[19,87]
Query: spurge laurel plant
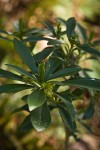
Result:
[55,79]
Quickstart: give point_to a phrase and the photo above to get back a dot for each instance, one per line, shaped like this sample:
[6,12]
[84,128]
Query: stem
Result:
[67,135]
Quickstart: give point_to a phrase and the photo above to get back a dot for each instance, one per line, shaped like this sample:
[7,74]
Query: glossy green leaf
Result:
[68,104]
[68,122]
[25,55]
[70,24]
[41,118]
[65,72]
[51,65]
[10,75]
[89,111]
[20,70]
[43,54]
[36,99]
[88,49]
[13,88]
[90,83]
[26,125]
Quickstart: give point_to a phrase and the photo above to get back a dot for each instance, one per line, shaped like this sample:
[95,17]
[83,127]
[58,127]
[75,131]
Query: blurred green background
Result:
[34,12]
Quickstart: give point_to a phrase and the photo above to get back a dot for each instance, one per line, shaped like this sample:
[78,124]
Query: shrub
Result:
[54,79]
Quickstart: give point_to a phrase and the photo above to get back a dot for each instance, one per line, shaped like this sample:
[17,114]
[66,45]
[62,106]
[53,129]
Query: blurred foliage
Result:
[34,12]
[11,138]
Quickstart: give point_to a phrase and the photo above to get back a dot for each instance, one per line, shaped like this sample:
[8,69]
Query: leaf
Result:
[10,75]
[61,20]
[20,70]
[88,49]
[24,107]
[43,54]
[89,111]
[41,71]
[55,42]
[25,55]
[36,99]
[96,43]
[41,118]
[82,33]
[34,31]
[34,39]
[86,127]
[49,26]
[69,106]
[67,119]
[4,32]
[5,38]
[52,64]
[90,83]
[13,88]
[40,38]
[26,124]
[65,72]
[77,92]
[70,24]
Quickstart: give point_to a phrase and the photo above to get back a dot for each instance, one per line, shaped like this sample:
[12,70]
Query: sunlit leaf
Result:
[36,99]
[41,118]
